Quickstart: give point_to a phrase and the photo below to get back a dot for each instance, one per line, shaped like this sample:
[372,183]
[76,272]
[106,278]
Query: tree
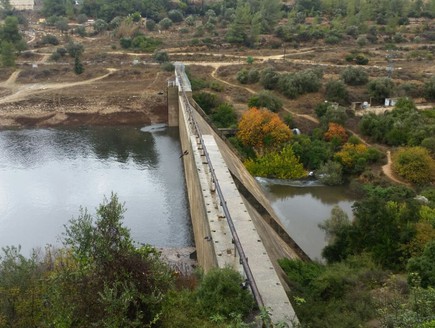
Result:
[62,24]
[7,53]
[429,89]
[270,12]
[354,76]
[262,130]
[104,280]
[335,222]
[78,66]
[207,101]
[175,15]
[381,88]
[269,78]
[100,26]
[330,173]
[266,99]
[336,131]
[165,23]
[161,57]
[414,164]
[224,116]
[281,164]
[245,27]
[336,91]
[75,49]
[424,265]
[9,30]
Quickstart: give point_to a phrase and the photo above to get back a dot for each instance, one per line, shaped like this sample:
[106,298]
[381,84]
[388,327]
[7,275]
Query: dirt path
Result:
[22,92]
[387,170]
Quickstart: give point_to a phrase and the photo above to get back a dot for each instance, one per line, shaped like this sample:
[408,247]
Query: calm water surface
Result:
[302,206]
[47,174]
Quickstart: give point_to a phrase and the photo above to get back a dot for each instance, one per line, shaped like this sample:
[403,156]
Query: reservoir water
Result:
[302,205]
[47,174]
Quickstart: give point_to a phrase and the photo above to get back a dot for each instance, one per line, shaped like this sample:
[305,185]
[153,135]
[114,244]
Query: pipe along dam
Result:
[233,222]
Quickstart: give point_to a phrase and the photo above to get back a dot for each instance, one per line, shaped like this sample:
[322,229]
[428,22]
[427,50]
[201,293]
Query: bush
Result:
[168,67]
[281,165]
[224,116]
[161,56]
[330,173]
[429,89]
[354,76]
[190,20]
[125,42]
[336,91]
[245,76]
[142,43]
[165,23]
[269,78]
[207,101]
[381,88]
[50,39]
[219,293]
[82,18]
[80,31]
[175,15]
[266,99]
[150,25]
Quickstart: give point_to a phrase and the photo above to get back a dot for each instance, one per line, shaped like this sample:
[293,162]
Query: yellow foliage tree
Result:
[262,130]
[350,153]
[414,164]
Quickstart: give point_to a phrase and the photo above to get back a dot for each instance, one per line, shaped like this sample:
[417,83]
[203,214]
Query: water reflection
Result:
[47,174]
[301,206]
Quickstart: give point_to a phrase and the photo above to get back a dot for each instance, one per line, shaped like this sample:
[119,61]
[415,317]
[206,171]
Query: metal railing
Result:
[181,76]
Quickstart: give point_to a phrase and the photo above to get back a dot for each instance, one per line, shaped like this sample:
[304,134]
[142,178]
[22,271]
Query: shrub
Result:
[82,18]
[190,20]
[269,78]
[361,60]
[168,67]
[224,116]
[429,89]
[207,101]
[336,91]
[282,165]
[136,16]
[245,76]
[175,15]
[100,26]
[125,42]
[81,31]
[161,56]
[266,99]
[150,25]
[330,173]
[145,44]
[220,293]
[381,88]
[50,39]
[354,76]
[165,23]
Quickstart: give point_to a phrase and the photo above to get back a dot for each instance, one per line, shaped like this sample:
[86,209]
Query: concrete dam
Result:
[233,222]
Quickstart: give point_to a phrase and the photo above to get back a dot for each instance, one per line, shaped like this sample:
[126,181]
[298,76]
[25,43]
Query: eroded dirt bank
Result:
[41,98]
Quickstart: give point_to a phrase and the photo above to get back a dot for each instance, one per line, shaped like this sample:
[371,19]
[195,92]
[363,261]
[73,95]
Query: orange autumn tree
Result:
[336,131]
[262,130]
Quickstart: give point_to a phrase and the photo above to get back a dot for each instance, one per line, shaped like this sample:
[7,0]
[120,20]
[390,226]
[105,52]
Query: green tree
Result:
[281,165]
[336,91]
[9,30]
[7,53]
[424,266]
[266,99]
[165,23]
[224,116]
[270,13]
[78,66]
[245,27]
[75,49]
[429,89]
[381,88]
[354,76]
[100,26]
[330,173]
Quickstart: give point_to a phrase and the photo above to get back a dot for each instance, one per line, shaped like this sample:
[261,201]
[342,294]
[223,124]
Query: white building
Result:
[23,4]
